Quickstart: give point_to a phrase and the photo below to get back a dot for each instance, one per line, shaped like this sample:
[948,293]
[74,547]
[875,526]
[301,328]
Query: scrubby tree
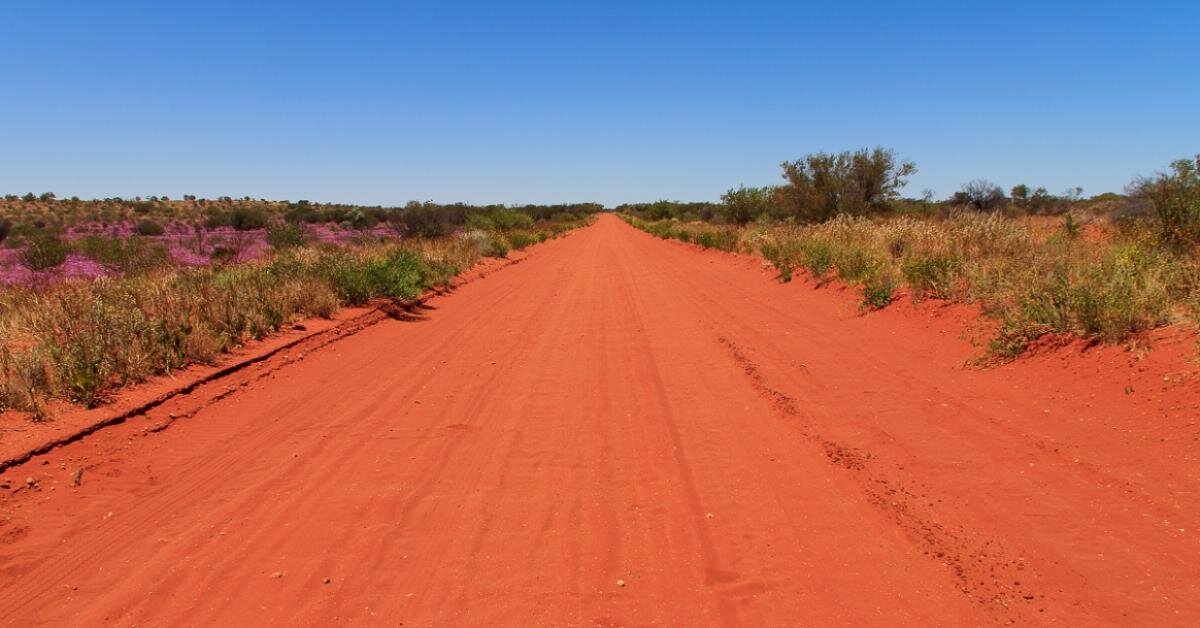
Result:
[1020,195]
[982,195]
[823,185]
[1175,198]
[1042,202]
[742,205]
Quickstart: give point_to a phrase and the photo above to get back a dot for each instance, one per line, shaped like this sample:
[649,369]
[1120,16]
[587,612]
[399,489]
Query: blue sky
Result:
[385,102]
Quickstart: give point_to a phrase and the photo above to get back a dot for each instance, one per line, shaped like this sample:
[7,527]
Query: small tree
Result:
[744,204]
[1175,197]
[1042,202]
[982,195]
[1020,195]
[823,185]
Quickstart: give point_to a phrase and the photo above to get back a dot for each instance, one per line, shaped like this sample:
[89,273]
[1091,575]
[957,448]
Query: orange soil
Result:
[619,431]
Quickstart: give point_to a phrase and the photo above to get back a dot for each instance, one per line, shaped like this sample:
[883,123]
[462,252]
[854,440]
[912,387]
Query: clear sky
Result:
[384,102]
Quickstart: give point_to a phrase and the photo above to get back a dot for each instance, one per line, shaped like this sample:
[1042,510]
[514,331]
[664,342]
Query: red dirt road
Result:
[625,431]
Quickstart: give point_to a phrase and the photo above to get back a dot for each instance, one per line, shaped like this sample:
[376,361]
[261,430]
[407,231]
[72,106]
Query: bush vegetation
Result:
[82,339]
[44,250]
[1105,268]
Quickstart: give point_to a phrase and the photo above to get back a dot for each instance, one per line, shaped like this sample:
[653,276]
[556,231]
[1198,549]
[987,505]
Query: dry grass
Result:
[1033,275]
[81,340]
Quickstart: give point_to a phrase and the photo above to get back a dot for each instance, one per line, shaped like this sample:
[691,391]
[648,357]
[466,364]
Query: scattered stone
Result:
[620,583]
[30,482]
[709,515]
[299,327]
[277,574]
[77,479]
[327,581]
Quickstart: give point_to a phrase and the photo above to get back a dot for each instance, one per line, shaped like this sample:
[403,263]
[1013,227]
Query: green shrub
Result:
[425,220]
[878,289]
[359,219]
[782,255]
[477,220]
[509,219]
[216,220]
[247,218]
[855,264]
[817,256]
[1175,197]
[521,239]
[490,245]
[288,235]
[931,275]
[722,240]
[223,254]
[44,251]
[148,228]
[125,255]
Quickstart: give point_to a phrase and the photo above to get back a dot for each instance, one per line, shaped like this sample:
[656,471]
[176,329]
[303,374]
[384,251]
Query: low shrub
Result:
[5,229]
[287,235]
[878,289]
[855,264]
[783,255]
[82,340]
[817,256]
[521,239]
[480,221]
[930,275]
[125,255]
[725,240]
[247,218]
[148,228]
[493,246]
[44,251]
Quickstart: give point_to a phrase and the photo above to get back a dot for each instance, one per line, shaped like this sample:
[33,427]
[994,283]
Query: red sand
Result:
[625,431]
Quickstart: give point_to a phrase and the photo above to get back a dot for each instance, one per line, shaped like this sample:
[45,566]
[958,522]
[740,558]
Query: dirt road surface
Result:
[625,431]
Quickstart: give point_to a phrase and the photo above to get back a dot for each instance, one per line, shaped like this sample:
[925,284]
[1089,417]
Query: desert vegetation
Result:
[1106,268]
[103,294]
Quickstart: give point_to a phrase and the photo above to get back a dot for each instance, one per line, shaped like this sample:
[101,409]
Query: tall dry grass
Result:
[1107,284]
[81,340]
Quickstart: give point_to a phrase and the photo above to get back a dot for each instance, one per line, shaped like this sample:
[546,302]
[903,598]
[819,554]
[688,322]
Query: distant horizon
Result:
[173,198]
[537,103]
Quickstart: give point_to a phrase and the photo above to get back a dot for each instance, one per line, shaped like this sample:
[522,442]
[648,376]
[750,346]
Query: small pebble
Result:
[327,581]
[620,583]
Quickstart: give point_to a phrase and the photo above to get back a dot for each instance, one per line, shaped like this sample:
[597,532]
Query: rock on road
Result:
[624,431]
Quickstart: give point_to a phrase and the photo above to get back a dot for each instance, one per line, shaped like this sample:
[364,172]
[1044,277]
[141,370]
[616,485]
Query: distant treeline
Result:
[868,182]
[36,212]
